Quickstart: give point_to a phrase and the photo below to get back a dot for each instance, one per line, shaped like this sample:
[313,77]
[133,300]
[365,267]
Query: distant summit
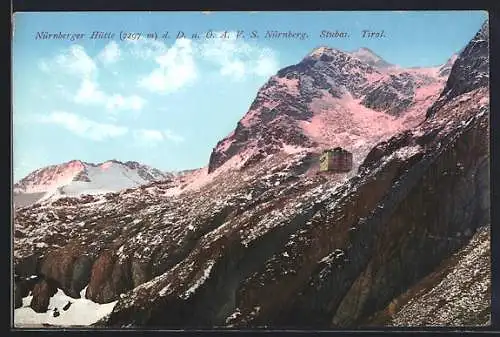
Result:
[368,56]
[76,177]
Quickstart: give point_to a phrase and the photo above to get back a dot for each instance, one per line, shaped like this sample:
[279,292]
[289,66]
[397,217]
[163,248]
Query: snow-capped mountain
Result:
[330,98]
[77,177]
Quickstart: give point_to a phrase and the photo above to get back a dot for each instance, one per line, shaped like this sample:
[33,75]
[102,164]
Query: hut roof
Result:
[336,149]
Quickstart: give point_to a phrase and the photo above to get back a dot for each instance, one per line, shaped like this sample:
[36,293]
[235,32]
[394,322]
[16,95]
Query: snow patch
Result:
[59,180]
[200,281]
[290,149]
[81,311]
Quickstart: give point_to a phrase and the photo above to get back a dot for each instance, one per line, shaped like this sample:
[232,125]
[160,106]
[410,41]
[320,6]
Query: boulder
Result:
[109,278]
[69,268]
[42,292]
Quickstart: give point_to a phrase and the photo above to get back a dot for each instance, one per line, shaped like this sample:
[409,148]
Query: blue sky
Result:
[166,103]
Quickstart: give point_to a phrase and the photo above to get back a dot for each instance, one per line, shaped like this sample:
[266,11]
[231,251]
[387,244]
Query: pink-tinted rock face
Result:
[49,178]
[356,99]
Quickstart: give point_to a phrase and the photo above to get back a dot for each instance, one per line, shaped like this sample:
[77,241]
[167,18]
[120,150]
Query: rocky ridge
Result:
[331,98]
[77,177]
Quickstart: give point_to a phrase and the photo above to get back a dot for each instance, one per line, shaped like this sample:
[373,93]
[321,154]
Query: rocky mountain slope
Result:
[331,98]
[274,242]
[76,178]
[457,293]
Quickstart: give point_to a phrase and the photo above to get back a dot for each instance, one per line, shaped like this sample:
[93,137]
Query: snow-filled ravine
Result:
[81,312]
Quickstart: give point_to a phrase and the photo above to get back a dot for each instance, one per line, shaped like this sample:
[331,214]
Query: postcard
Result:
[240,170]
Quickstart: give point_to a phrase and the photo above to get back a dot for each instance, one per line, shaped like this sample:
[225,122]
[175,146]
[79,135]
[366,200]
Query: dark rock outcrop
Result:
[42,292]
[18,297]
[69,268]
[26,284]
[446,68]
[109,278]
[28,265]
[393,96]
[457,293]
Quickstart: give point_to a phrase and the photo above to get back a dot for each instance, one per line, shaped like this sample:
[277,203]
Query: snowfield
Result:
[81,312]
[76,178]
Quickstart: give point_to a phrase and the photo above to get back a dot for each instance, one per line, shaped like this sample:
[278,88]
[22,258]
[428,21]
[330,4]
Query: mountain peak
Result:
[369,56]
[76,177]
[110,161]
[445,69]
[74,163]
[323,50]
[329,89]
[365,50]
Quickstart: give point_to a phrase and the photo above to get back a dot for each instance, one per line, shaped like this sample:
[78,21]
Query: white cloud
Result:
[118,101]
[43,66]
[177,65]
[89,93]
[233,57]
[237,58]
[234,68]
[170,135]
[266,64]
[150,137]
[176,68]
[110,53]
[146,49]
[82,126]
[75,61]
